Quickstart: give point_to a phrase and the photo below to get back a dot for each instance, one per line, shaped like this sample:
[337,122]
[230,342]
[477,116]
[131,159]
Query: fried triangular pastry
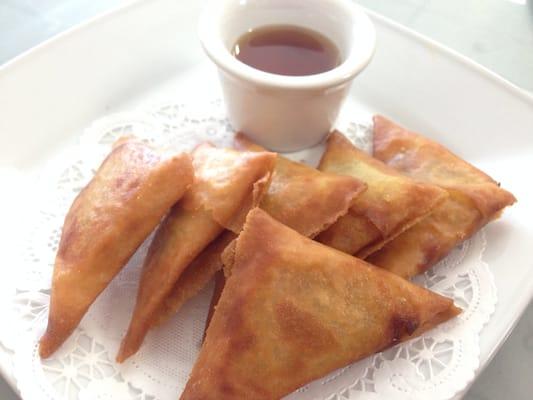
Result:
[391,204]
[224,181]
[294,310]
[131,191]
[304,198]
[474,199]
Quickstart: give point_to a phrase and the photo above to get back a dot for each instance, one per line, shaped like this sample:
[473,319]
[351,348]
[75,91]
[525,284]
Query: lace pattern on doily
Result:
[436,365]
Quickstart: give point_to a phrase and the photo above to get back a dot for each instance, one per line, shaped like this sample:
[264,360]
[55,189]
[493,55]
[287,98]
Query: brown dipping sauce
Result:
[287,50]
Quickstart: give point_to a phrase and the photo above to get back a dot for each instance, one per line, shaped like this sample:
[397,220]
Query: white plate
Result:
[140,53]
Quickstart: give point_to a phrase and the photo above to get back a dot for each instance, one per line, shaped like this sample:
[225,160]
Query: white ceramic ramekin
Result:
[286,113]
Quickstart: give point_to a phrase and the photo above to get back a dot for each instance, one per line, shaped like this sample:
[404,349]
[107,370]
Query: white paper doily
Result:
[436,365]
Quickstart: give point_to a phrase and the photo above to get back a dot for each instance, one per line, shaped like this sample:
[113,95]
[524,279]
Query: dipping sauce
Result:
[287,50]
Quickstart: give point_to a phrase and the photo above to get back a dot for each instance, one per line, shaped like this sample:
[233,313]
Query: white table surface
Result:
[495,33]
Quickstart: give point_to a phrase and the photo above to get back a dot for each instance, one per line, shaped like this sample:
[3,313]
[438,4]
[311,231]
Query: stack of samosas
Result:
[311,265]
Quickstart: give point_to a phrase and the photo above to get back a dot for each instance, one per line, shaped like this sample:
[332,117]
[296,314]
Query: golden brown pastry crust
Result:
[220,283]
[195,277]
[224,178]
[474,199]
[391,204]
[304,198]
[129,194]
[224,181]
[293,310]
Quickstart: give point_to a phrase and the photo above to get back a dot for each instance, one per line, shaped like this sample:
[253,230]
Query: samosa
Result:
[474,199]
[391,204]
[226,182]
[131,191]
[294,310]
[304,198]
